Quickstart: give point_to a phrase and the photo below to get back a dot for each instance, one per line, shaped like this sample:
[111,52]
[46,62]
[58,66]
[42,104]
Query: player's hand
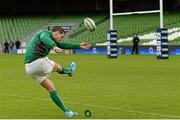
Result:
[85,45]
[57,50]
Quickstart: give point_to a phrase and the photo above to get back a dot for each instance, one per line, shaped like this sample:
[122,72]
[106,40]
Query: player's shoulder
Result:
[44,33]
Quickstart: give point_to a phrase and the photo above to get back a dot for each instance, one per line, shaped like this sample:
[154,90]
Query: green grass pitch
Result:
[127,87]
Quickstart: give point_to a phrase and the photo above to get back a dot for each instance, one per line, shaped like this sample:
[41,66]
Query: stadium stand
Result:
[16,28]
[127,26]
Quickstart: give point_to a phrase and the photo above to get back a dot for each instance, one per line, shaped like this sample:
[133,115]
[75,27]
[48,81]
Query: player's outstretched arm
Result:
[68,45]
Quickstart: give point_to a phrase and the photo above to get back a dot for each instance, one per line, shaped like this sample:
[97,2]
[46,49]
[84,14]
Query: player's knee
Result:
[57,68]
[47,84]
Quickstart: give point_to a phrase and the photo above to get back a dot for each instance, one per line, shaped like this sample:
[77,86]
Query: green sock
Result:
[65,70]
[57,100]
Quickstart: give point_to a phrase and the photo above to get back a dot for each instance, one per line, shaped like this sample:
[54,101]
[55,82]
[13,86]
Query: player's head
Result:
[57,33]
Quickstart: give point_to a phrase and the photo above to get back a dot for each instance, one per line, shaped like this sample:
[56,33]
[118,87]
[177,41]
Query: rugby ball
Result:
[89,24]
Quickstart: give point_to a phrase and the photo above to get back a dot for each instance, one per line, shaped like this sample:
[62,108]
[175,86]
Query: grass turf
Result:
[127,87]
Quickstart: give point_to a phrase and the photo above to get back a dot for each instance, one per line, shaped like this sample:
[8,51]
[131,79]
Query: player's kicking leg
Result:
[65,70]
[49,66]
[48,85]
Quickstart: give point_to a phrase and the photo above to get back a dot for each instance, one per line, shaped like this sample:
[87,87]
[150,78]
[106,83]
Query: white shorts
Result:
[40,69]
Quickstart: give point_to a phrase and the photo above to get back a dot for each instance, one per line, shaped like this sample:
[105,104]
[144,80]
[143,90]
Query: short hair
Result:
[57,28]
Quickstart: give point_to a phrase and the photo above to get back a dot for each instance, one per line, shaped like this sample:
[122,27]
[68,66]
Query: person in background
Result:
[17,43]
[135,48]
[11,46]
[6,45]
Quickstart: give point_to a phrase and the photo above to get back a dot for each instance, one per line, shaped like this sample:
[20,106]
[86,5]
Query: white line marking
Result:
[89,96]
[97,106]
[125,110]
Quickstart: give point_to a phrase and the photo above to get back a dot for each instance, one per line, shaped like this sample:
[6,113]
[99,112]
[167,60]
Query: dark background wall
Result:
[64,6]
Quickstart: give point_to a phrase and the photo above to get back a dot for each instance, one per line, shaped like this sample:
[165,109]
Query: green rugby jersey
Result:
[41,44]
